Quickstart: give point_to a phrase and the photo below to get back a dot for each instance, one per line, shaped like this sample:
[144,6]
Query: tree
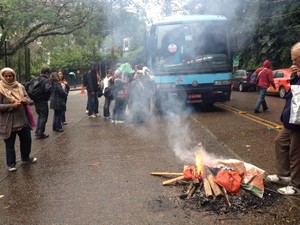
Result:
[23,22]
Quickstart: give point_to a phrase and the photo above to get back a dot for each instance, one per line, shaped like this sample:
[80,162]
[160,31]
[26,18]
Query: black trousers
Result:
[42,110]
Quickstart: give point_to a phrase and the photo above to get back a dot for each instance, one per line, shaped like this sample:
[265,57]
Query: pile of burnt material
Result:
[225,186]
[242,202]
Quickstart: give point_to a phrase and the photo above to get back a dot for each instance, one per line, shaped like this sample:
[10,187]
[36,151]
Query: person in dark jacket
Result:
[14,118]
[57,102]
[92,89]
[287,142]
[139,97]
[66,88]
[119,90]
[264,80]
[41,105]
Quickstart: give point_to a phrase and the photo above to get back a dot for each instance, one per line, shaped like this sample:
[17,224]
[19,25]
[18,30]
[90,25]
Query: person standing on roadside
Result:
[57,102]
[120,92]
[14,118]
[41,105]
[107,82]
[287,142]
[264,80]
[66,87]
[92,89]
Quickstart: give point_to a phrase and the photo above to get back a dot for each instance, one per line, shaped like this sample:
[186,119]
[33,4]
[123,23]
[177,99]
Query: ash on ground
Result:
[240,203]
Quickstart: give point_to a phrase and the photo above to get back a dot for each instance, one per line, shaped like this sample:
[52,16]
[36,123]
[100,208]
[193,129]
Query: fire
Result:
[195,171]
[199,162]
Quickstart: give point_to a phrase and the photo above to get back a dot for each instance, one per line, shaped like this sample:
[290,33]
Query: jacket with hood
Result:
[265,75]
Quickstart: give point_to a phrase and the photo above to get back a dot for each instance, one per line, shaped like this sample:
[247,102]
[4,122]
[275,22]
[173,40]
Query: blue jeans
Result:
[25,145]
[119,109]
[261,98]
[93,103]
[42,110]
[57,120]
[106,106]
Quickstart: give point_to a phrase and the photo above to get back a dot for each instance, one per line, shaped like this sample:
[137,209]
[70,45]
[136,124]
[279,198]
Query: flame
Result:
[199,162]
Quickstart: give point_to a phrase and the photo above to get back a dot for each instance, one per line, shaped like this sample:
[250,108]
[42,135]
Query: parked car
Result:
[241,80]
[282,82]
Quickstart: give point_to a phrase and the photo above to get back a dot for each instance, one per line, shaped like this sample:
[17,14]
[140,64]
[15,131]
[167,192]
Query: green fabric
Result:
[126,68]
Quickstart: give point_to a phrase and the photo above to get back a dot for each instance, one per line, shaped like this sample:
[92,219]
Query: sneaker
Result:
[30,160]
[12,168]
[59,130]
[93,116]
[86,111]
[113,121]
[265,109]
[120,121]
[278,179]
[256,111]
[64,123]
[289,190]
[41,136]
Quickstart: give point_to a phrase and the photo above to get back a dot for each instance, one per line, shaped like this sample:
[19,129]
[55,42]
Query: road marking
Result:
[267,123]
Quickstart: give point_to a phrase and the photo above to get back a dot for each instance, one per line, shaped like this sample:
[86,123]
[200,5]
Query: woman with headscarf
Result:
[14,118]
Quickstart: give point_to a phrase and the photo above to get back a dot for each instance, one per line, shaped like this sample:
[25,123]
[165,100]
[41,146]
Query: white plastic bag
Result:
[295,105]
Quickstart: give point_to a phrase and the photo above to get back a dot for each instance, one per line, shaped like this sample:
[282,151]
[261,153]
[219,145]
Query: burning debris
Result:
[222,186]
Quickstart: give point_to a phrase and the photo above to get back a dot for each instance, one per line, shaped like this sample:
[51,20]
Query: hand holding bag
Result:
[295,105]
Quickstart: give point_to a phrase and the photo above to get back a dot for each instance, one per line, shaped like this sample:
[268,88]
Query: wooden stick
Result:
[166,174]
[207,188]
[214,186]
[190,187]
[196,185]
[226,197]
[173,180]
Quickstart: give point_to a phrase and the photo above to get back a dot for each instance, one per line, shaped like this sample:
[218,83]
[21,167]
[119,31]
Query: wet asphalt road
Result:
[99,173]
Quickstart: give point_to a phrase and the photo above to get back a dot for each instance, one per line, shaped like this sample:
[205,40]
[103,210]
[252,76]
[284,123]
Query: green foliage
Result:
[267,29]
[70,35]
[134,57]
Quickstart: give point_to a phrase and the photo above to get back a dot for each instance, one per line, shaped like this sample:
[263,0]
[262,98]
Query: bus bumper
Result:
[195,95]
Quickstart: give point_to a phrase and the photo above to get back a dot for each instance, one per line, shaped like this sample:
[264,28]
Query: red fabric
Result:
[265,78]
[229,180]
[190,172]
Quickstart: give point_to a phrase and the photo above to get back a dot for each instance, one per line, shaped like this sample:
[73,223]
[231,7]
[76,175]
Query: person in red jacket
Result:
[264,80]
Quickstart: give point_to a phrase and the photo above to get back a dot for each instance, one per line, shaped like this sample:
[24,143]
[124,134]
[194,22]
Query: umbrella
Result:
[72,74]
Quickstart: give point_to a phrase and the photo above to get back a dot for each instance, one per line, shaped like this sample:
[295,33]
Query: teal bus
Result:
[190,59]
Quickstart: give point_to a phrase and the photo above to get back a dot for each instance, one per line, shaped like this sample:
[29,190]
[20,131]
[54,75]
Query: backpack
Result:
[253,78]
[34,89]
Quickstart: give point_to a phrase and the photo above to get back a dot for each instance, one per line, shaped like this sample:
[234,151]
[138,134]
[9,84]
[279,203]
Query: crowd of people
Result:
[129,90]
[16,114]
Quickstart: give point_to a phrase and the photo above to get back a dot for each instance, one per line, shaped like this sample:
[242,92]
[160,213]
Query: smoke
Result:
[182,140]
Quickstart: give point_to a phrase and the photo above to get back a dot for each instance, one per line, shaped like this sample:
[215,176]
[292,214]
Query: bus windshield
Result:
[187,48]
